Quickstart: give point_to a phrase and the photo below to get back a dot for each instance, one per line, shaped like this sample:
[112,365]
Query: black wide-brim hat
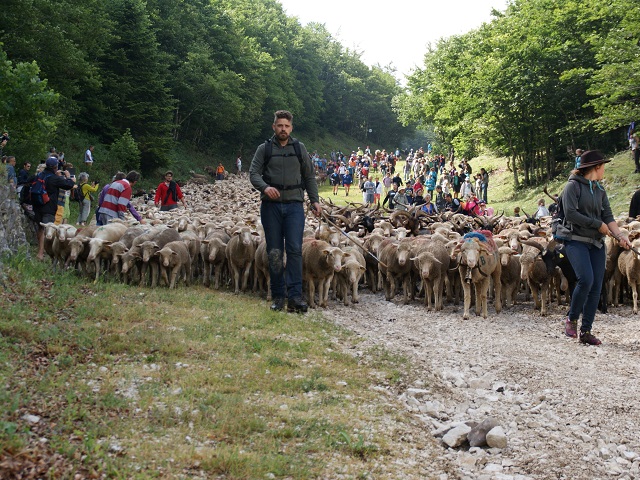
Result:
[591,158]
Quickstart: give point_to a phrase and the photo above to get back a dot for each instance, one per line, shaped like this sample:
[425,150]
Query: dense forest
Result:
[541,79]
[141,77]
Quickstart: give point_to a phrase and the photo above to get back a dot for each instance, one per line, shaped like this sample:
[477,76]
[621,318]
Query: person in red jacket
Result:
[168,193]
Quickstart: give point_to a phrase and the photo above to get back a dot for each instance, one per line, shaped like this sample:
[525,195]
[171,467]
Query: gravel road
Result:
[568,410]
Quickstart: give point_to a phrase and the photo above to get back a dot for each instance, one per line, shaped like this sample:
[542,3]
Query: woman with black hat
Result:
[587,219]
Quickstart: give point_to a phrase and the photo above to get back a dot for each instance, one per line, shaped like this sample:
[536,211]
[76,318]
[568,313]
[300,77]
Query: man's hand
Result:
[317,210]
[272,192]
[624,242]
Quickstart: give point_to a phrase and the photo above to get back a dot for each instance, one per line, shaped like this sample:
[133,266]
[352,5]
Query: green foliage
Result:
[124,154]
[521,84]
[208,75]
[26,108]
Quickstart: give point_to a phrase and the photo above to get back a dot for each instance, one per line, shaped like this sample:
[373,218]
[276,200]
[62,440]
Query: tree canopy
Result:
[540,80]
[205,73]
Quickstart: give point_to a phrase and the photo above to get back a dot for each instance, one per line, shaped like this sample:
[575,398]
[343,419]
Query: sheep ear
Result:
[633,235]
[326,251]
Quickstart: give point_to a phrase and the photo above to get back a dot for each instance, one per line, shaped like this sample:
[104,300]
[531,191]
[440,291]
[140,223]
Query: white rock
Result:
[31,418]
[496,438]
[493,467]
[456,436]
[103,369]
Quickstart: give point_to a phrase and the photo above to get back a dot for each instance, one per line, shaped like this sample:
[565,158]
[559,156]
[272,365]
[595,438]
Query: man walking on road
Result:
[281,170]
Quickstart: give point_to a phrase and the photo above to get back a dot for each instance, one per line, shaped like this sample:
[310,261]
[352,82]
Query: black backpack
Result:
[76,194]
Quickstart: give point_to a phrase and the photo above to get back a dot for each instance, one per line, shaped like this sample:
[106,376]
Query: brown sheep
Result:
[395,266]
[477,264]
[629,266]
[510,275]
[320,261]
[432,263]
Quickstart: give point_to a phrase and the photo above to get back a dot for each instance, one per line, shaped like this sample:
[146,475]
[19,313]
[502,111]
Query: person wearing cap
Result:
[587,220]
[47,213]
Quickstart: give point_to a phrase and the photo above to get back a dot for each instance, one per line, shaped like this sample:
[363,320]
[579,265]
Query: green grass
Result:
[151,383]
[620,184]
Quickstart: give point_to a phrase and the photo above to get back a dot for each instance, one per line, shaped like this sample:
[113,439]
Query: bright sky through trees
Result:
[393,32]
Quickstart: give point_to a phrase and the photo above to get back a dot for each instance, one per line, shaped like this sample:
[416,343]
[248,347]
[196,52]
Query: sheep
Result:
[432,264]
[79,247]
[537,268]
[148,250]
[395,266]
[261,277]
[175,256]
[104,235]
[510,274]
[320,261]
[348,278]
[240,253]
[478,263]
[193,243]
[60,246]
[629,267]
[371,244]
[214,258]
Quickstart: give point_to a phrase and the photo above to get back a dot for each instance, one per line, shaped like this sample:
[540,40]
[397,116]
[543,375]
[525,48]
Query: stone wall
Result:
[13,223]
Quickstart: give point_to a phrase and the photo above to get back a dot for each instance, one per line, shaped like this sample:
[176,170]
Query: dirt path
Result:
[569,411]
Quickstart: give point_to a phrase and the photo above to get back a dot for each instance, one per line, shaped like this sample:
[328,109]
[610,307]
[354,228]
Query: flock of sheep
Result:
[219,241]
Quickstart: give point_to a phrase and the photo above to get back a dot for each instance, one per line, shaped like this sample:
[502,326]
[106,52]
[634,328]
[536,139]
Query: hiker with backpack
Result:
[43,196]
[84,191]
[584,219]
[168,193]
[281,170]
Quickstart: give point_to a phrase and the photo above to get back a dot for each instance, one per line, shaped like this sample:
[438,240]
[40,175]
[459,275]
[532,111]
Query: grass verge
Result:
[121,382]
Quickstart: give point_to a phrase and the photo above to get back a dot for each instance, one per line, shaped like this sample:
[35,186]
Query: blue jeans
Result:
[283,227]
[588,261]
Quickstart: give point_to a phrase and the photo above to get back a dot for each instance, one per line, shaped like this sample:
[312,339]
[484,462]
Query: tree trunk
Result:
[516,182]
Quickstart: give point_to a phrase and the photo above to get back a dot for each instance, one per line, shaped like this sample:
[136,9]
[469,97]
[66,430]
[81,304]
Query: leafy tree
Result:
[26,108]
[124,154]
[615,84]
[135,94]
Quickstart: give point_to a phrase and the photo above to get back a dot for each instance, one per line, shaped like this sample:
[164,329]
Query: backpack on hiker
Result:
[38,195]
[76,194]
